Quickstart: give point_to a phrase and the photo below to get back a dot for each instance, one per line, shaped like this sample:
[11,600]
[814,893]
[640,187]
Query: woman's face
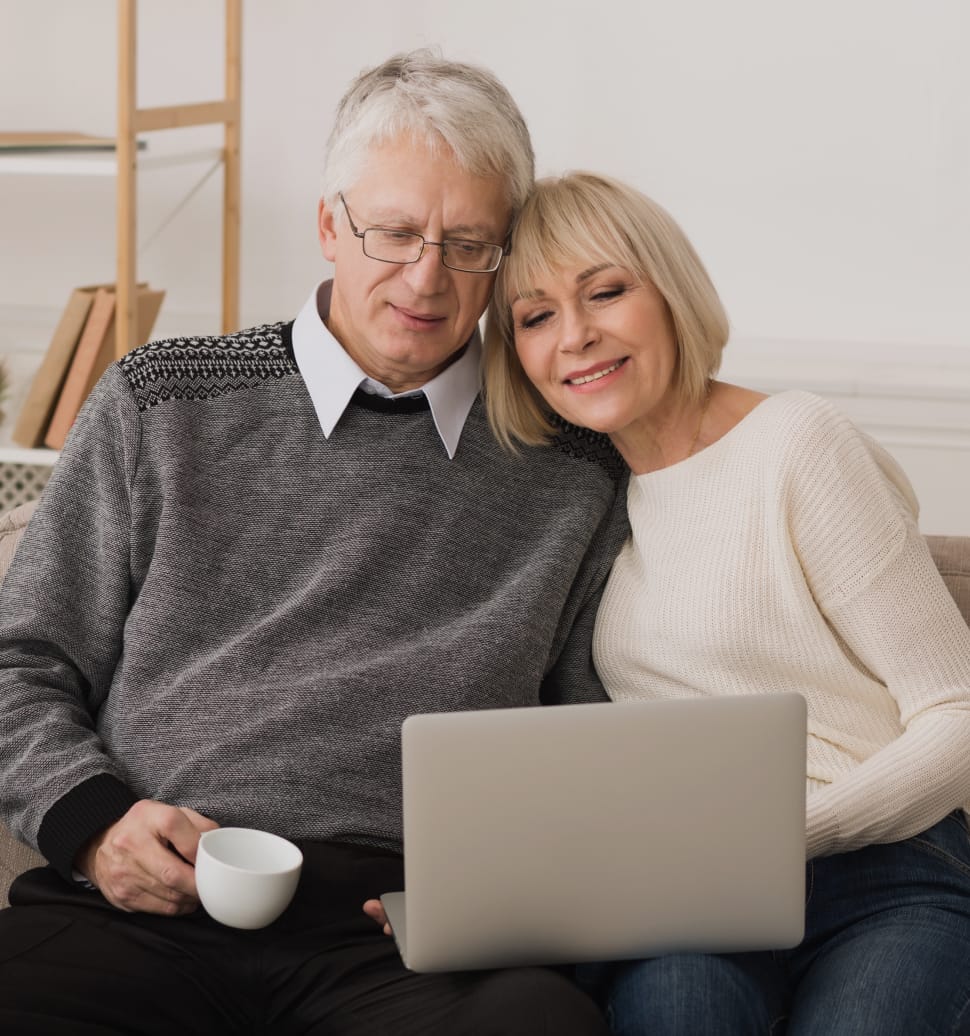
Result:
[599,345]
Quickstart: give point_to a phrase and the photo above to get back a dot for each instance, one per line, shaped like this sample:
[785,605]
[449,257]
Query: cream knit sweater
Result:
[786,556]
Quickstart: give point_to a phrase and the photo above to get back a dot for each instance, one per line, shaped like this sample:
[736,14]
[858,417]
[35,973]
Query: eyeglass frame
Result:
[506,248]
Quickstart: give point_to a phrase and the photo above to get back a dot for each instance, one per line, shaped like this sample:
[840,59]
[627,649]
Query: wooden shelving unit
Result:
[127,162]
[132,121]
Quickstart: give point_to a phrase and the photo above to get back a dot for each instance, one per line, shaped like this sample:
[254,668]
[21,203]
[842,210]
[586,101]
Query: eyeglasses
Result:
[402,246]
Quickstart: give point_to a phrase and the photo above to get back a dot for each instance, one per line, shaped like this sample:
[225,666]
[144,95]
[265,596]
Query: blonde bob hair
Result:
[583,219]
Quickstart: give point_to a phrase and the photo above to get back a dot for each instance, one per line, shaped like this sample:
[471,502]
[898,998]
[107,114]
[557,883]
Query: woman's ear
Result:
[327,230]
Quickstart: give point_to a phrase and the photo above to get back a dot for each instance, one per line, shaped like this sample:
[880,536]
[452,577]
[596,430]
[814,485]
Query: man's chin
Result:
[423,350]
[412,367]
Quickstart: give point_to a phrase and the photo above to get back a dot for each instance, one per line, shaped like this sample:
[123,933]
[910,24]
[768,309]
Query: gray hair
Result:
[434,101]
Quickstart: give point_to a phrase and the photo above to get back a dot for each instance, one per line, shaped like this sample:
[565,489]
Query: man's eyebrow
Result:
[391,218]
[397,218]
[478,230]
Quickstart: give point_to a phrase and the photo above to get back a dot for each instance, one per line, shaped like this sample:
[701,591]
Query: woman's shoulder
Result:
[799,420]
[784,419]
[823,444]
[802,409]
[808,438]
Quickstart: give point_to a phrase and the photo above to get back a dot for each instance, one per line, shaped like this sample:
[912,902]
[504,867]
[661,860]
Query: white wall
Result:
[818,154]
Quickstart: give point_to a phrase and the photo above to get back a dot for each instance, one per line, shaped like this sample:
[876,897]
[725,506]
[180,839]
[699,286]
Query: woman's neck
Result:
[651,445]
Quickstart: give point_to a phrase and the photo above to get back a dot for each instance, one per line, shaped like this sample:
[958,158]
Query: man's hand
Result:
[144,860]
[375,911]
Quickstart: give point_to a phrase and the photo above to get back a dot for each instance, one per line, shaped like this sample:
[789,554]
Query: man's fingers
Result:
[374,909]
[184,834]
[126,884]
[198,821]
[134,898]
[140,861]
[138,873]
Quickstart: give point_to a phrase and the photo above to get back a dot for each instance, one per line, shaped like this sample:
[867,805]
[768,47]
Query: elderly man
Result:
[257,555]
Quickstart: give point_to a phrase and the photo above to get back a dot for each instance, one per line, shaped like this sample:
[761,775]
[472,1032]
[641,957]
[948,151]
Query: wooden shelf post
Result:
[133,120]
[231,169]
[126,229]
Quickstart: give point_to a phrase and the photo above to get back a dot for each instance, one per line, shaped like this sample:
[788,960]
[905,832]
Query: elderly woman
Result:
[774,547]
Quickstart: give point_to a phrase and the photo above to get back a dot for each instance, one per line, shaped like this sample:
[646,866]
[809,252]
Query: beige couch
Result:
[951,553]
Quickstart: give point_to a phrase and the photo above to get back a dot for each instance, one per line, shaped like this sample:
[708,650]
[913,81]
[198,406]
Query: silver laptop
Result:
[579,833]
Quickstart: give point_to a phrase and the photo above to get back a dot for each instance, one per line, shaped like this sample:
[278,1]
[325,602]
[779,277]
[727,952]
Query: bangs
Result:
[581,221]
[562,228]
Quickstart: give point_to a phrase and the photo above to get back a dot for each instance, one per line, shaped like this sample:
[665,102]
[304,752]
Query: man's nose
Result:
[429,273]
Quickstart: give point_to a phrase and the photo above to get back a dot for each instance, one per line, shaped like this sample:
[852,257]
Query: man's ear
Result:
[327,231]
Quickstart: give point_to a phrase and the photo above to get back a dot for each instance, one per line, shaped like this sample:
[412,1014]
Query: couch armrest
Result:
[15,857]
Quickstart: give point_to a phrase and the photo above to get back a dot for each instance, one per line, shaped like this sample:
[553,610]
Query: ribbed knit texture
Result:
[786,557]
[216,606]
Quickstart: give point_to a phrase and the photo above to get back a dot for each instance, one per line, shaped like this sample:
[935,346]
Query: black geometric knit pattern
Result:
[204,368]
[585,444]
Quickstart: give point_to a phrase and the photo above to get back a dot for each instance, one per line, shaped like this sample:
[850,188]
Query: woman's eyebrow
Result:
[538,293]
[591,272]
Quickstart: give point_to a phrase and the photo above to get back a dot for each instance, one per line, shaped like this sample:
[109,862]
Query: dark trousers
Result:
[71,963]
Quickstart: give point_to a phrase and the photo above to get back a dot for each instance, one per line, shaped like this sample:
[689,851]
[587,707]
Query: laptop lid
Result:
[602,832]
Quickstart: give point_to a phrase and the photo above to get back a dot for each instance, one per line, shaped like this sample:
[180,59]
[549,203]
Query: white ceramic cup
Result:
[246,878]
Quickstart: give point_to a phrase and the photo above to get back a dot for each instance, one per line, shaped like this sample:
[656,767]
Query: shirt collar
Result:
[332,377]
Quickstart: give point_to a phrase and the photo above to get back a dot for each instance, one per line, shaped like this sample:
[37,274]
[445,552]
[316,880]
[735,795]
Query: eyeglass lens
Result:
[398,246]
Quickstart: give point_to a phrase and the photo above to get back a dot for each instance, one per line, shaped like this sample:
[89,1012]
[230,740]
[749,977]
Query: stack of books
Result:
[80,351]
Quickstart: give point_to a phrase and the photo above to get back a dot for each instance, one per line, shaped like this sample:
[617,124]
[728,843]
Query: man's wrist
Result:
[80,816]
[80,879]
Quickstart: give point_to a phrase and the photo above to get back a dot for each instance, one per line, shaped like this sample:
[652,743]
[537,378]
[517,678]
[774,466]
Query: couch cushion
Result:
[15,857]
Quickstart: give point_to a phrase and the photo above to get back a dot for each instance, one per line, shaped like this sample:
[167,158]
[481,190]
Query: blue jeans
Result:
[886,952]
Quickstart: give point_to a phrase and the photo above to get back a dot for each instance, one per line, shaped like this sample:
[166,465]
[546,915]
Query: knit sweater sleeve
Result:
[572,678]
[63,607]
[853,525]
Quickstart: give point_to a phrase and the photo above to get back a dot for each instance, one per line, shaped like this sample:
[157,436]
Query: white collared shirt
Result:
[332,377]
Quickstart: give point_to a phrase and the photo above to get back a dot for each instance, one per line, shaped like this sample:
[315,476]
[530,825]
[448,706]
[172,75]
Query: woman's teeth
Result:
[594,377]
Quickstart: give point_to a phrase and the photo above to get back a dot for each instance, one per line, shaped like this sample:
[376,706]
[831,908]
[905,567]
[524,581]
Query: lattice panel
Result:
[21,482]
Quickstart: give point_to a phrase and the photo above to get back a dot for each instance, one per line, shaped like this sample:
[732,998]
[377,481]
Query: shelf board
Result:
[34,458]
[102,163]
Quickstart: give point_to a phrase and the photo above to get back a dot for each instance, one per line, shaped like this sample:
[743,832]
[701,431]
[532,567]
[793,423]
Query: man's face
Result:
[404,323]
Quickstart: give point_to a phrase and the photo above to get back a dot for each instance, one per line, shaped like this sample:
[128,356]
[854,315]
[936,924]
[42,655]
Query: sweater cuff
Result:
[84,811]
[822,825]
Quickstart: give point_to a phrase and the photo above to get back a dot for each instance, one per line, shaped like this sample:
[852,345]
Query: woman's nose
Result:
[578,331]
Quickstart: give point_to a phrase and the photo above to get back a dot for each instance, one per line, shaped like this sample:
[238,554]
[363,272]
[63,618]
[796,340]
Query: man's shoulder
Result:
[585,445]
[204,366]
[569,452]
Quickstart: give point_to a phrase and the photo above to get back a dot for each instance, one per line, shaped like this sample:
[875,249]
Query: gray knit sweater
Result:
[216,606]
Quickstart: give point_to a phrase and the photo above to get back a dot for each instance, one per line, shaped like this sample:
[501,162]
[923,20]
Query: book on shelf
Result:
[32,141]
[94,354]
[35,414]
